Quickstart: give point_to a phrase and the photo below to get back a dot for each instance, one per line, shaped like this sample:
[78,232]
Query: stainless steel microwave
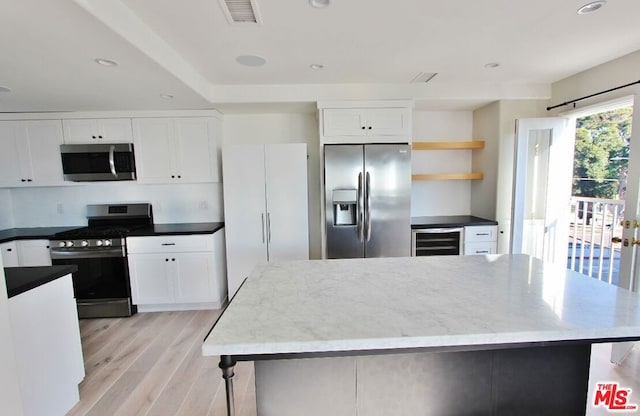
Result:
[98,162]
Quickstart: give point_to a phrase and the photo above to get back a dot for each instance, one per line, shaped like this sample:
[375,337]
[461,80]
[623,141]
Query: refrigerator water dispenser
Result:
[344,206]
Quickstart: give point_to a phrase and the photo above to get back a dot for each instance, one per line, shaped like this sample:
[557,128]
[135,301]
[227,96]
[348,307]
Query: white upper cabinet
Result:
[365,122]
[30,153]
[106,130]
[176,150]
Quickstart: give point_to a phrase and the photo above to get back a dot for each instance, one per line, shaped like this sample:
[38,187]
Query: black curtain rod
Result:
[592,95]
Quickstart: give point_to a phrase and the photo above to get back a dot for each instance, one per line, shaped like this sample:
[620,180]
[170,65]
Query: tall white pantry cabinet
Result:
[265,206]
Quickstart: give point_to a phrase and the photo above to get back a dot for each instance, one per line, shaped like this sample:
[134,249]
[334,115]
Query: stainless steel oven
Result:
[101,284]
[437,241]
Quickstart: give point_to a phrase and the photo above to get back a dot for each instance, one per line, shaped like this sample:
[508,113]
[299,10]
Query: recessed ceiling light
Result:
[166,96]
[4,89]
[105,62]
[251,60]
[591,7]
[492,65]
[316,66]
[319,4]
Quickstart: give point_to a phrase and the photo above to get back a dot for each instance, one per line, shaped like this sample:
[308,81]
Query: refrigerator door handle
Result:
[367,206]
[360,219]
[262,215]
[268,227]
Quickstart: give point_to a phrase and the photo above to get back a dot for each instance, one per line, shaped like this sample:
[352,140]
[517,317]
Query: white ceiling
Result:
[370,49]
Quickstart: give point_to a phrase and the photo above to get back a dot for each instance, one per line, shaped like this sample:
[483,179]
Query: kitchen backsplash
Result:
[58,206]
[6,211]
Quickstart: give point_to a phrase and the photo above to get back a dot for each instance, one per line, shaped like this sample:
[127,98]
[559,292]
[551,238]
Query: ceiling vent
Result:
[241,11]
[423,77]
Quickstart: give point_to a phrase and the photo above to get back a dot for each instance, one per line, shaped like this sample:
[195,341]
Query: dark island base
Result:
[549,380]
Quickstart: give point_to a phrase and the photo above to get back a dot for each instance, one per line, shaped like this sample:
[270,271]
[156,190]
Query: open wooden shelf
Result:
[475,144]
[447,176]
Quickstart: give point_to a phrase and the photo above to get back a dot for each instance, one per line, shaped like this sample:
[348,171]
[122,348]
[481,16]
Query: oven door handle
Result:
[112,161]
[87,254]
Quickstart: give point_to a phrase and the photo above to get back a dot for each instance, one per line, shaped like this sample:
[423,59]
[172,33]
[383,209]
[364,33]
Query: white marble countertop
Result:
[395,303]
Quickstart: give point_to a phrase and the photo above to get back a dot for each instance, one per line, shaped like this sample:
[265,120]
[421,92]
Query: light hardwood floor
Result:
[150,364]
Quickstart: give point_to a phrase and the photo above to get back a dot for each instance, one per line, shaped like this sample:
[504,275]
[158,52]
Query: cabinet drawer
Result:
[472,249]
[170,243]
[480,233]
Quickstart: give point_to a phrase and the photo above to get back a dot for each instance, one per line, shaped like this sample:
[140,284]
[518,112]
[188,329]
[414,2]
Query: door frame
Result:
[561,144]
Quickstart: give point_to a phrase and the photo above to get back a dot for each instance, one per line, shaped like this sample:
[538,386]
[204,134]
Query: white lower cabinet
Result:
[480,239]
[25,253]
[177,272]
[10,254]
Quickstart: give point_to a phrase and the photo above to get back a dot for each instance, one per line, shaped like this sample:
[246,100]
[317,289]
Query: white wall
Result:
[60,206]
[486,126]
[497,122]
[284,128]
[620,71]
[441,197]
[6,209]
[10,398]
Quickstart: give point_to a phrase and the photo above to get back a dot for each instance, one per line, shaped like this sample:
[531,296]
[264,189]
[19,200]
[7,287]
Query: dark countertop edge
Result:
[448,221]
[186,228]
[46,233]
[22,279]
[33,233]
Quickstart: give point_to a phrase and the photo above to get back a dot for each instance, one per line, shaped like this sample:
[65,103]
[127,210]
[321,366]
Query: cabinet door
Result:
[10,164]
[151,278]
[388,122]
[109,130]
[154,148]
[244,210]
[196,153]
[33,253]
[344,122]
[9,254]
[287,206]
[115,130]
[44,139]
[193,277]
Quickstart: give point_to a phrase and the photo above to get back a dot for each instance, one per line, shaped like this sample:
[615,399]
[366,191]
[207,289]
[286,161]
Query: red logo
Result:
[613,397]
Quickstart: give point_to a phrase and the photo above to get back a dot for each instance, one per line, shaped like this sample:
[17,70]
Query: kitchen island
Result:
[44,332]
[504,334]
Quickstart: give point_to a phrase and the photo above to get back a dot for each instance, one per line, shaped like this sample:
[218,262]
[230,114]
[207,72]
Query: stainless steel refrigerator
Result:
[367,200]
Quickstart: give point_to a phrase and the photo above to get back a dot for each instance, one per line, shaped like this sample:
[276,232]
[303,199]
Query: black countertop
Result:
[156,229]
[178,229]
[23,279]
[33,233]
[448,221]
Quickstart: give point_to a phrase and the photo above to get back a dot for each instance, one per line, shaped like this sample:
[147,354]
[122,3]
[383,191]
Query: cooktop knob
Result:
[69,243]
[107,242]
[99,243]
[84,243]
[61,244]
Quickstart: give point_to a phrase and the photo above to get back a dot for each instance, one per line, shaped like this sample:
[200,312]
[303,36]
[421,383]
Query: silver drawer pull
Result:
[482,233]
[168,244]
[482,251]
